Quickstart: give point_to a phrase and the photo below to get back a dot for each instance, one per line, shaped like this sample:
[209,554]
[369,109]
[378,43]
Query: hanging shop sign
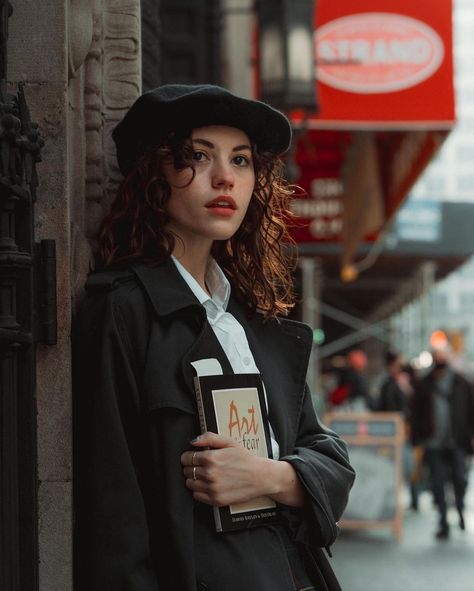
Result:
[420,221]
[390,68]
[320,212]
[376,52]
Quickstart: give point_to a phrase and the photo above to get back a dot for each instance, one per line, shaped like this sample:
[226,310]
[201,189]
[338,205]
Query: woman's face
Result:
[213,205]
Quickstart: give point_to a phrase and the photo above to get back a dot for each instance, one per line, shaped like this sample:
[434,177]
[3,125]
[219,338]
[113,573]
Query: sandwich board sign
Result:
[375,443]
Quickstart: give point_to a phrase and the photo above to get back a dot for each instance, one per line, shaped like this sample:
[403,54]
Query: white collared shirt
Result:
[227,329]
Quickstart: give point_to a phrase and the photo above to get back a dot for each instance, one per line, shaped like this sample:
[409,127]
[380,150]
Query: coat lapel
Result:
[169,294]
[206,346]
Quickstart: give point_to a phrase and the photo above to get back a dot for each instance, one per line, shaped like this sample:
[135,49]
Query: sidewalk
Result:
[375,561]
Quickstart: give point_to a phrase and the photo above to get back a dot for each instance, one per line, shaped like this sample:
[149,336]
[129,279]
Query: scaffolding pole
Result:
[311,275]
[427,280]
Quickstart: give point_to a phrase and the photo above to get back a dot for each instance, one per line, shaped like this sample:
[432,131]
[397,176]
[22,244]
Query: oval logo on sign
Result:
[376,52]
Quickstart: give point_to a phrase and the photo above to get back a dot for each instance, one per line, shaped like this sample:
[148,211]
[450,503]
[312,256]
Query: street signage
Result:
[375,447]
[376,52]
[384,76]
[382,69]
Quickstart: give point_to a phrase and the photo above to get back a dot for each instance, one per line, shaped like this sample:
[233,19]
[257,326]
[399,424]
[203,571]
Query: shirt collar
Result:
[216,281]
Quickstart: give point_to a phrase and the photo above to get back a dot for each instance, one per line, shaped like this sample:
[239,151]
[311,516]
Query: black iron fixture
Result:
[27,316]
[286,53]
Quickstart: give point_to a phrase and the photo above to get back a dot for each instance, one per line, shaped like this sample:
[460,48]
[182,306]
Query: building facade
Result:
[448,179]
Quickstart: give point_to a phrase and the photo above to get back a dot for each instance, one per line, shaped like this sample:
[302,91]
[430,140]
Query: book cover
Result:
[234,406]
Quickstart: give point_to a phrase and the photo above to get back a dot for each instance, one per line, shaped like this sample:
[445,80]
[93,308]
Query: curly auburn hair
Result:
[256,259]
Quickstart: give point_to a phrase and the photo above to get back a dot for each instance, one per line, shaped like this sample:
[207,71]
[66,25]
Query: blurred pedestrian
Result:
[396,388]
[395,396]
[443,423]
[352,390]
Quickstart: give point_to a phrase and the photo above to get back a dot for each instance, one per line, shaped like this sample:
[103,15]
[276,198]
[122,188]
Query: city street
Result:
[376,561]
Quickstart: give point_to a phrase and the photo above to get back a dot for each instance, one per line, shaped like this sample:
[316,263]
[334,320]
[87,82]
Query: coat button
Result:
[202,586]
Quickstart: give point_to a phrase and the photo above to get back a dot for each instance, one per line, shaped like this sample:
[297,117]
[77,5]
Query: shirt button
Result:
[246,360]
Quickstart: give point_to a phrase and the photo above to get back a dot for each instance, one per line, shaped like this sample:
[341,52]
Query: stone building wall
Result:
[80,61]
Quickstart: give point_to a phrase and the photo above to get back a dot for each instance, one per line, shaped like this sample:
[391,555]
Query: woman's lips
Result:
[223,206]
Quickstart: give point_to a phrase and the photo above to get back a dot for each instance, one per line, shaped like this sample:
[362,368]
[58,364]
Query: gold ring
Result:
[194,473]
[192,458]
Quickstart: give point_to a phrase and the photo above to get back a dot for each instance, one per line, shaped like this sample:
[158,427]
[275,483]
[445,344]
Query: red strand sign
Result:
[384,64]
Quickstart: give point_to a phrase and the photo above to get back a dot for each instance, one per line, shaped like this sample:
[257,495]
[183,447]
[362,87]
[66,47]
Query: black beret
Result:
[182,108]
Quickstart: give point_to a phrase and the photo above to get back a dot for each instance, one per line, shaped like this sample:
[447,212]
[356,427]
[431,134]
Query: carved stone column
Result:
[80,62]
[101,90]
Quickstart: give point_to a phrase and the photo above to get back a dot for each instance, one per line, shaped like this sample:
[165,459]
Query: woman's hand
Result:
[227,473]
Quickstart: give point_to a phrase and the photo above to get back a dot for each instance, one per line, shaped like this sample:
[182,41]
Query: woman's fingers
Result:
[195,473]
[206,440]
[227,475]
[191,458]
[220,471]
[213,440]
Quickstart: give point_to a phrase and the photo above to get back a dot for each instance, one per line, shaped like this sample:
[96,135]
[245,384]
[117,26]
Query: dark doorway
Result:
[181,42]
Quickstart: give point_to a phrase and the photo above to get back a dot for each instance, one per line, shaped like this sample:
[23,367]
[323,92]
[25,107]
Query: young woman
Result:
[191,265]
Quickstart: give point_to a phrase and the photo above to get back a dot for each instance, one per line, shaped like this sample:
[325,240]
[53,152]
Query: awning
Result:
[386,97]
[354,183]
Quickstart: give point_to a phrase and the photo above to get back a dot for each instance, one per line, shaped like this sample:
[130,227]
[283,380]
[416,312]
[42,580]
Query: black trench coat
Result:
[461,404]
[135,414]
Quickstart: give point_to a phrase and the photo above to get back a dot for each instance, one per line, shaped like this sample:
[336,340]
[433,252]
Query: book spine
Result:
[203,424]
[200,405]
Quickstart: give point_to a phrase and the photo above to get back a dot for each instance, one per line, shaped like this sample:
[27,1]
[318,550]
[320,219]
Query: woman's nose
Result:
[223,175]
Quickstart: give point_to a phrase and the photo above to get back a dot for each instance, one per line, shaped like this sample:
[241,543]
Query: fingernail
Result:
[196,439]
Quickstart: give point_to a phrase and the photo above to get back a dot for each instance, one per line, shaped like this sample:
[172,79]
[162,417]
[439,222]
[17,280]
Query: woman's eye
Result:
[241,160]
[199,156]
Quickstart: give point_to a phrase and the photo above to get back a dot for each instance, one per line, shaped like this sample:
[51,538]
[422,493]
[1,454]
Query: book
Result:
[234,405]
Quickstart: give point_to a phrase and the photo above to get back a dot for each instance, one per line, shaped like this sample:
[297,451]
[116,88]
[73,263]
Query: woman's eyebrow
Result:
[203,142]
[241,147]
[210,145]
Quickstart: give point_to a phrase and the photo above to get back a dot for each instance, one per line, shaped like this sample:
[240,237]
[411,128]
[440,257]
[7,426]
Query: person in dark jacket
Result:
[395,389]
[443,423]
[192,265]
[395,395]
[352,390]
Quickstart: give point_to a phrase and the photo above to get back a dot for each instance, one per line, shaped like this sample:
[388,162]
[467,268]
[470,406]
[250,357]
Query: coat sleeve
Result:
[321,461]
[111,532]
